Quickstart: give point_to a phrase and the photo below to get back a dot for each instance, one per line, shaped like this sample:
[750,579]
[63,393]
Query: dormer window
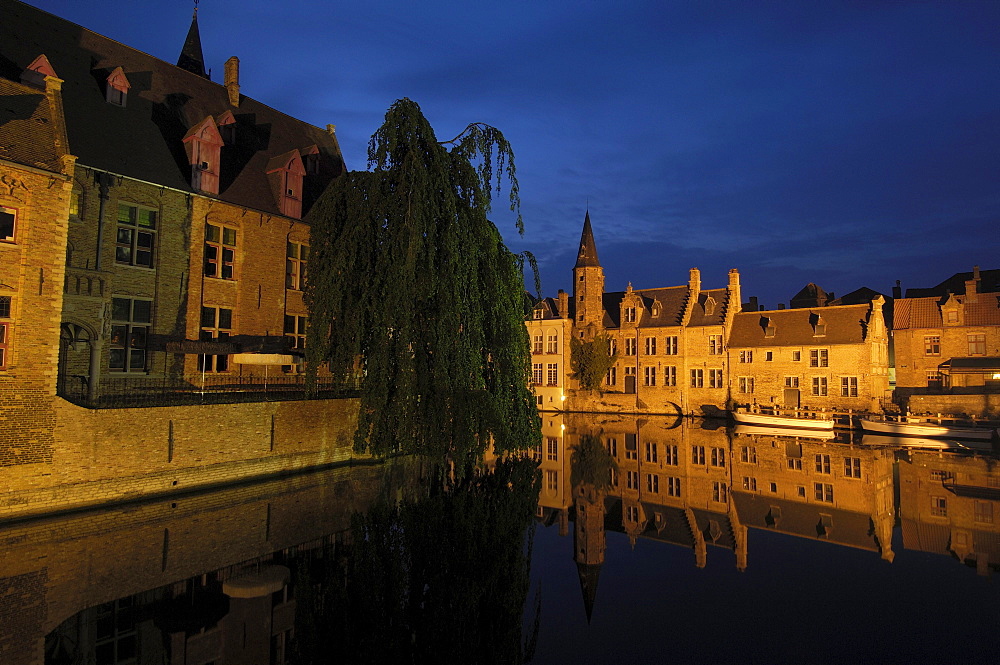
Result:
[36,72]
[227,127]
[629,314]
[310,160]
[768,326]
[116,87]
[538,314]
[818,325]
[203,145]
[709,306]
[285,173]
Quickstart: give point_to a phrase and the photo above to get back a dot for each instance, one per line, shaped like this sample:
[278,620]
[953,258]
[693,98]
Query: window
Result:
[750,483]
[613,477]
[551,480]
[800,491]
[746,356]
[774,487]
[8,217]
[670,455]
[76,204]
[768,356]
[823,492]
[612,346]
[632,480]
[538,314]
[136,235]
[649,376]
[116,87]
[629,346]
[697,378]
[953,316]
[769,330]
[670,375]
[115,639]
[795,464]
[934,378]
[612,378]
[536,373]
[819,358]
[939,506]
[650,346]
[715,378]
[848,386]
[651,453]
[796,356]
[652,483]
[632,514]
[748,454]
[629,314]
[5,327]
[612,445]
[552,374]
[819,386]
[295,327]
[216,323]
[631,447]
[552,449]
[942,476]
[536,453]
[220,251]
[698,455]
[984,512]
[977,344]
[791,382]
[932,345]
[552,343]
[822,464]
[719,492]
[745,384]
[852,467]
[536,343]
[296,259]
[718,457]
[714,345]
[670,345]
[130,319]
[673,486]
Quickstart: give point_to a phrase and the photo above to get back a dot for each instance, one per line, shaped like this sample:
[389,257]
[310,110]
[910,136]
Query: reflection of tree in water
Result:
[442,579]
[591,463]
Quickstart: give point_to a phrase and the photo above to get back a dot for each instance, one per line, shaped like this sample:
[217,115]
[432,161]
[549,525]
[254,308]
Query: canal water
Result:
[620,540]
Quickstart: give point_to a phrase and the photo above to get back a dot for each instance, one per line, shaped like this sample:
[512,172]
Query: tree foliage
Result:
[591,360]
[411,286]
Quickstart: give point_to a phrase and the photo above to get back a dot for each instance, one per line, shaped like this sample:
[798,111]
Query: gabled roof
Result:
[845,324]
[926,312]
[163,103]
[27,127]
[804,520]
[700,317]
[989,282]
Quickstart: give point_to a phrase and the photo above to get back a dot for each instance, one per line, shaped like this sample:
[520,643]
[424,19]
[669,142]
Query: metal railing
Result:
[130,392]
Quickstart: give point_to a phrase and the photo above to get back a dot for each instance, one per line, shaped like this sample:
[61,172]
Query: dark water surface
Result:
[702,546]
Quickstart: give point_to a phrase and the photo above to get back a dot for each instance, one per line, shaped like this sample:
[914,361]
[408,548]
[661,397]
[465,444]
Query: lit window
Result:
[220,251]
[130,320]
[536,373]
[216,323]
[296,259]
[136,235]
[552,343]
[552,374]
[76,204]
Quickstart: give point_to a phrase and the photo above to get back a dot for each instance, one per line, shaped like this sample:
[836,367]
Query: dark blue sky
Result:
[844,143]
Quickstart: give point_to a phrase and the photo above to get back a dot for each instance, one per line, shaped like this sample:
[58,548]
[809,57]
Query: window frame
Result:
[218,256]
[215,363]
[12,237]
[129,335]
[136,231]
[296,261]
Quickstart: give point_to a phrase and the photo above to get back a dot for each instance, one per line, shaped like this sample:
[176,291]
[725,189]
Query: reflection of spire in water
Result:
[589,576]
[589,541]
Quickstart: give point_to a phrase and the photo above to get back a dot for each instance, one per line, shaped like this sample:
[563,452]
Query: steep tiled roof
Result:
[27,130]
[586,257]
[989,282]
[701,317]
[845,324]
[142,140]
[926,312]
[671,301]
[803,519]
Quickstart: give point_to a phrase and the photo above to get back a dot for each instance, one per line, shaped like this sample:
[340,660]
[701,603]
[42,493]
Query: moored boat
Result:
[817,421]
[888,441]
[772,430]
[925,429]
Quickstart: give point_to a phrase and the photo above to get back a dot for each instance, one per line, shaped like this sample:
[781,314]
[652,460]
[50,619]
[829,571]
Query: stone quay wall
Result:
[118,455]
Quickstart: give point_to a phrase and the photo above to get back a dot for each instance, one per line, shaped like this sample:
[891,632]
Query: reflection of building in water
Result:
[553,457]
[814,489]
[950,504]
[197,579]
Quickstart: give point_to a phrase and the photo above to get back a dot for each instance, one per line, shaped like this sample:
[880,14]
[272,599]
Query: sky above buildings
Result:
[843,143]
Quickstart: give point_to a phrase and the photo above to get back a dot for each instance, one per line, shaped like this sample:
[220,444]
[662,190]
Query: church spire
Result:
[191,57]
[587,256]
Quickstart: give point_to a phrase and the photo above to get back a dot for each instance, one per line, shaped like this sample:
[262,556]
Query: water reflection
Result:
[385,563]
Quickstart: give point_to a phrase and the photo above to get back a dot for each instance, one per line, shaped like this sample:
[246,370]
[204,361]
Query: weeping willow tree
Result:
[411,287]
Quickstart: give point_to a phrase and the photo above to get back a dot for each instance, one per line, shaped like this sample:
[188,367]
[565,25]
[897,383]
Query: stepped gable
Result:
[845,324]
[671,311]
[27,127]
[702,316]
[162,103]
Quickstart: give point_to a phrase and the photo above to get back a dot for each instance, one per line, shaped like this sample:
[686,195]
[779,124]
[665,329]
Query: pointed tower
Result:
[191,57]
[588,281]
[589,541]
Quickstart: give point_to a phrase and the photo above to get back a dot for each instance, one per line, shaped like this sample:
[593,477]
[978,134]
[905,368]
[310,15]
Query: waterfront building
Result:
[186,240]
[670,342]
[947,341]
[818,357]
[549,329]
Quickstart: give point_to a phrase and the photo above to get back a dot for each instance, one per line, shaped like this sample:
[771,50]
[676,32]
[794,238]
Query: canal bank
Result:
[108,456]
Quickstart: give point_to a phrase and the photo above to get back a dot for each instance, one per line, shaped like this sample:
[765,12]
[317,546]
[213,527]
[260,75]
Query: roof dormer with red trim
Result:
[285,173]
[36,72]
[116,87]
[226,122]
[203,145]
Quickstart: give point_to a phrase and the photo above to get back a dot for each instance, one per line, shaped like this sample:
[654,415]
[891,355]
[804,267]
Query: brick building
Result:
[947,341]
[816,357]
[185,234]
[670,342]
[35,184]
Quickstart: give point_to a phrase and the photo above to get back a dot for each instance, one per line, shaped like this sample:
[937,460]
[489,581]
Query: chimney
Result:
[781,305]
[563,304]
[331,130]
[752,306]
[232,81]
[897,291]
[694,283]
[971,291]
